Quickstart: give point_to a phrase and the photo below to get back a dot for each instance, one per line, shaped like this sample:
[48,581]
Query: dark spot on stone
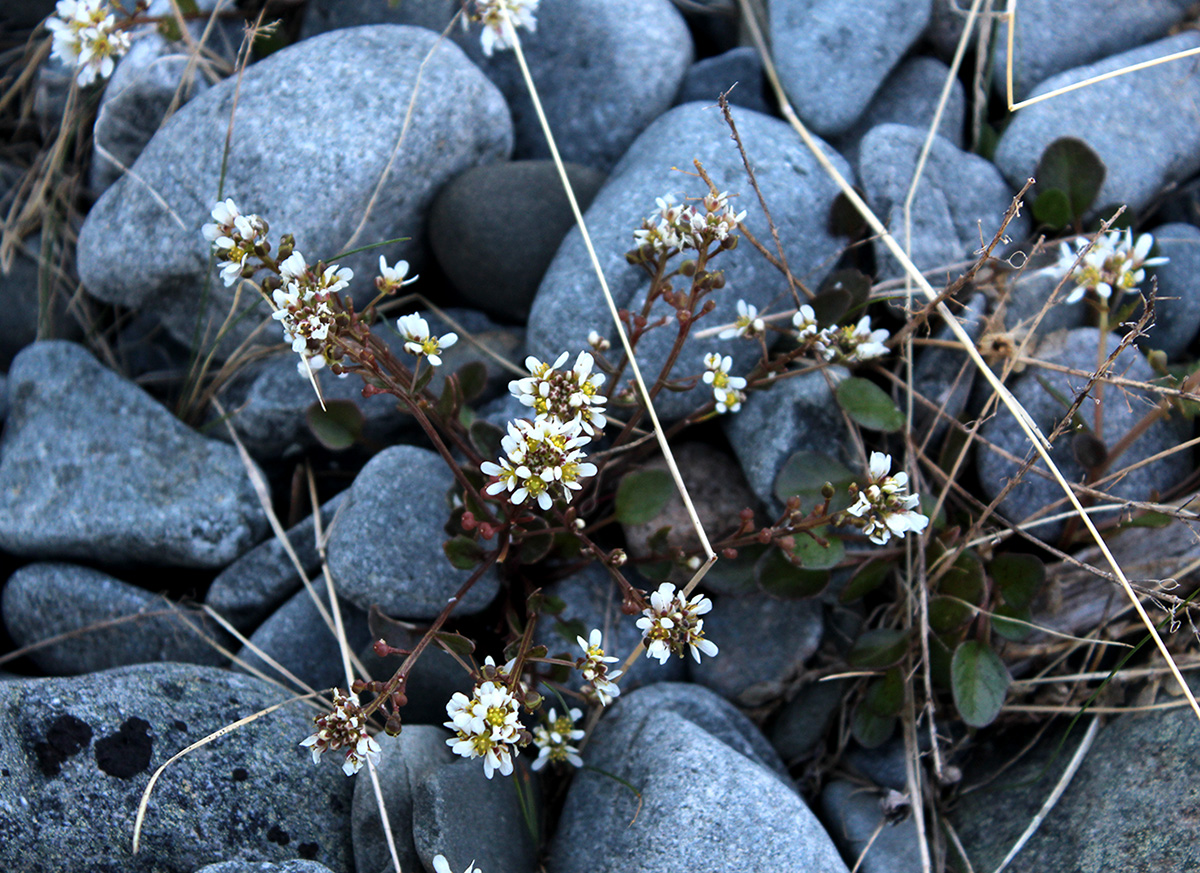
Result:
[308,851]
[127,752]
[240,774]
[66,736]
[180,726]
[171,690]
[278,835]
[4,772]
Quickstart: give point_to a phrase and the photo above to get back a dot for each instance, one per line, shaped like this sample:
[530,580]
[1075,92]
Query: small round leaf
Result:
[979,681]
[642,495]
[868,405]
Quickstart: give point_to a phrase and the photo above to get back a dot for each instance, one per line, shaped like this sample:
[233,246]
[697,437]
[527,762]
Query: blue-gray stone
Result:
[944,375]
[135,626]
[1112,117]
[711,77]
[1123,407]
[386,548]
[141,244]
[94,468]
[801,723]
[856,823]
[1177,309]
[705,803]
[960,196]
[833,56]
[628,56]
[570,303]
[78,754]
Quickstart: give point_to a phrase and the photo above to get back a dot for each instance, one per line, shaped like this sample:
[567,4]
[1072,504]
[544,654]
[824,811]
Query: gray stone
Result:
[832,56]
[3,396]
[763,645]
[593,600]
[947,20]
[386,548]
[478,216]
[801,723]
[628,56]
[569,303]
[1177,309]
[403,763]
[704,804]
[297,638]
[1112,117]
[884,765]
[795,414]
[1052,37]
[855,819]
[294,866]
[1123,408]
[711,77]
[258,582]
[78,753]
[495,834]
[135,626]
[94,468]
[1128,807]
[944,376]
[910,96]
[1026,297]
[961,199]
[141,245]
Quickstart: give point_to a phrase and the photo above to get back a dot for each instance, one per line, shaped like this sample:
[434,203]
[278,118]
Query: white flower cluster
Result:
[670,623]
[303,309]
[554,739]
[885,505]
[805,322]
[543,460]
[86,36]
[234,237]
[847,344]
[563,395]
[344,727]
[486,725]
[1115,262]
[748,324]
[418,341]
[681,226]
[727,390]
[500,18]
[594,665]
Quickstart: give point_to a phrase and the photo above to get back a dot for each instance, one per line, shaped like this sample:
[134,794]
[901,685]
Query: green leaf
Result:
[885,696]
[455,643]
[871,730]
[812,555]
[472,379]
[656,571]
[448,404]
[842,291]
[779,577]
[485,438]
[1151,519]
[464,553]
[881,647]
[1018,577]
[869,405]
[338,426]
[844,219]
[535,546]
[1053,207]
[965,579]
[866,579]
[1010,630]
[1070,166]
[979,681]
[804,474]
[948,614]
[642,495]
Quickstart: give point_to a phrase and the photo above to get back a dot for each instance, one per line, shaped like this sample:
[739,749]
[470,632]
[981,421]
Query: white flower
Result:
[594,665]
[1115,261]
[597,342]
[486,725]
[726,389]
[415,331]
[884,505]
[86,36]
[500,18]
[441,865]
[392,279]
[805,322]
[344,727]
[234,237]
[684,226]
[563,395]
[554,739]
[857,343]
[748,323]
[543,458]
[670,623]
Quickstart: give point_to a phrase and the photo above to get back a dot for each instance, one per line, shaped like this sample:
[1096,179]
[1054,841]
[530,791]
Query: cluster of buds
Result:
[884,507]
[671,624]
[345,727]
[86,36]
[594,666]
[500,18]
[554,739]
[676,227]
[1115,262]
[727,390]
[308,310]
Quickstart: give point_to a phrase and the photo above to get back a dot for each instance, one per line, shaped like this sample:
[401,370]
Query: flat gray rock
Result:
[855,820]
[94,468]
[1123,408]
[40,601]
[960,197]
[315,126]
[386,548]
[1112,117]
[628,56]
[570,303]
[1177,309]
[832,56]
[78,753]
[704,804]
